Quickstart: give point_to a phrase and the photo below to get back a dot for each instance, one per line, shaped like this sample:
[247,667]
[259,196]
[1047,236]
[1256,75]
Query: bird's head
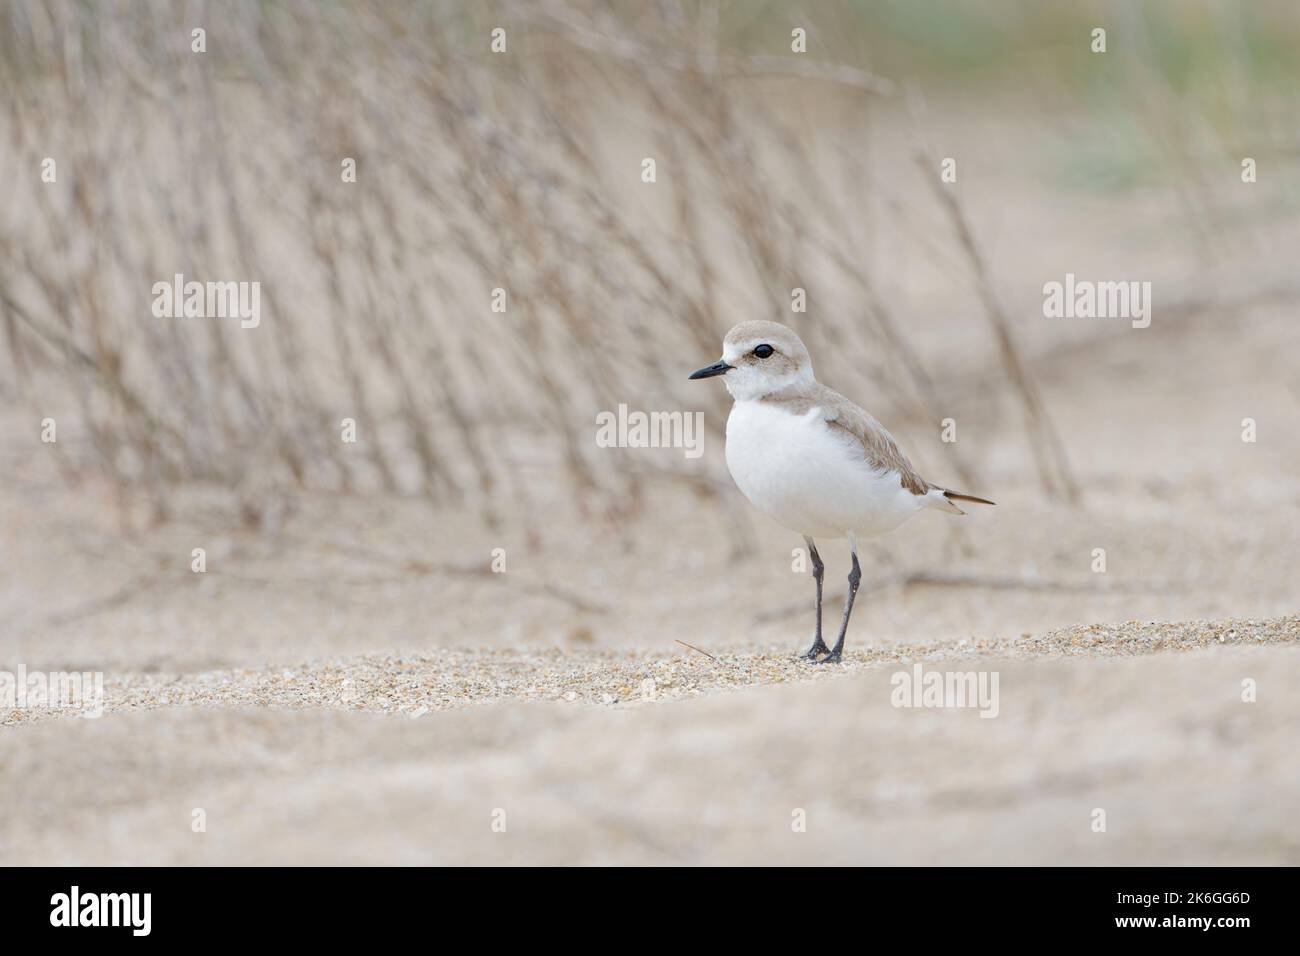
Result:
[759,358]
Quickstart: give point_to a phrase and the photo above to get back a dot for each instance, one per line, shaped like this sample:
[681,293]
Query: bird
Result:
[812,460]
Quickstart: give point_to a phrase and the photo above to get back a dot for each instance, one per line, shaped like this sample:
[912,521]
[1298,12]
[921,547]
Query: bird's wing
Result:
[881,451]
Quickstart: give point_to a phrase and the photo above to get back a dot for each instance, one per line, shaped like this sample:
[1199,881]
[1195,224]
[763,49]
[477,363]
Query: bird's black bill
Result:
[717,368]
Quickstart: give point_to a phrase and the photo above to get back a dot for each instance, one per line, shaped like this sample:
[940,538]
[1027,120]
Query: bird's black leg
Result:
[855,575]
[818,646]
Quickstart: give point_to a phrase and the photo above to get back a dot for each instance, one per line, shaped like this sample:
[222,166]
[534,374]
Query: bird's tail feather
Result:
[946,500]
[950,495]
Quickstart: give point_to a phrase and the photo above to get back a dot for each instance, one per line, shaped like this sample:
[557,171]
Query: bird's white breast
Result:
[808,476]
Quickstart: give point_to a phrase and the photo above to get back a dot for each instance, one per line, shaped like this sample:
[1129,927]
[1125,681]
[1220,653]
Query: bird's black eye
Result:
[763,351]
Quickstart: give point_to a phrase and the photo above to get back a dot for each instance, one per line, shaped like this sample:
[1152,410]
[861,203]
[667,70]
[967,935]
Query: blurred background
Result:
[521,171]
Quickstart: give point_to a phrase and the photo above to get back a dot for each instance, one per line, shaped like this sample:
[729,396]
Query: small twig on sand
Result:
[418,566]
[705,653]
[122,595]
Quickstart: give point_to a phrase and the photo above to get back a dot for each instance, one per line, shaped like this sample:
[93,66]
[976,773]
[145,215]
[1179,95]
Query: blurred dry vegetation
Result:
[478,171]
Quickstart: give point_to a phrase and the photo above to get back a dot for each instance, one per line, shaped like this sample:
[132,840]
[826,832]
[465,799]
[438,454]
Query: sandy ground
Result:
[813,769]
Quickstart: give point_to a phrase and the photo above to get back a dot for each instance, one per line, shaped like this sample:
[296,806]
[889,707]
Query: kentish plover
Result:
[810,459]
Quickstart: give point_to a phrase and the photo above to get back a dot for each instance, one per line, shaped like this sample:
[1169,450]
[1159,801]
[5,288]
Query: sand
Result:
[753,759]
[416,685]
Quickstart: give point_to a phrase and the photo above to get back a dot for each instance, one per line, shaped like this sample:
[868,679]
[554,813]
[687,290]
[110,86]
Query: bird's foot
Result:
[819,647]
[832,657]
